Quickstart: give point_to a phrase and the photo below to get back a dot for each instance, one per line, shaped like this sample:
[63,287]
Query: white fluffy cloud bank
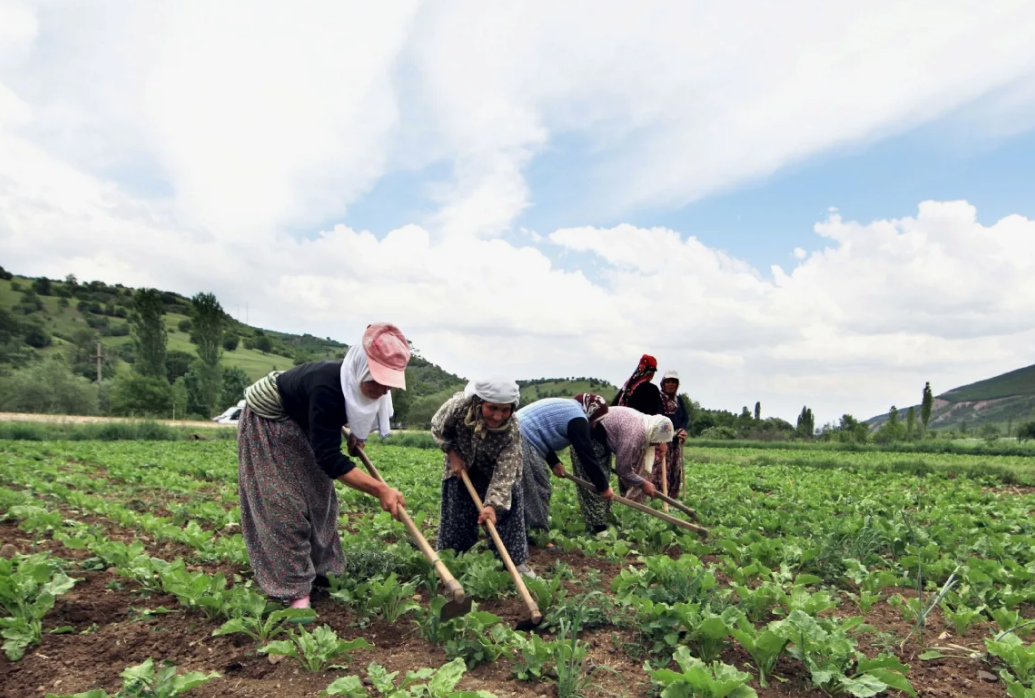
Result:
[201,145]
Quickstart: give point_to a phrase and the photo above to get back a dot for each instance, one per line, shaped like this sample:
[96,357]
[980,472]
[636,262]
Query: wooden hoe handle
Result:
[699,530]
[456,592]
[533,609]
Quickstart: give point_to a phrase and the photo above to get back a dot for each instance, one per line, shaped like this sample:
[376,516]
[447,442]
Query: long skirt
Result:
[595,509]
[535,481]
[674,467]
[458,519]
[289,509]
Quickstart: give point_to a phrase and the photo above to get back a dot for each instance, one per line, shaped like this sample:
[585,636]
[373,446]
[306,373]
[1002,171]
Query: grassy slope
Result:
[1019,382]
[67,320]
[428,381]
[566,388]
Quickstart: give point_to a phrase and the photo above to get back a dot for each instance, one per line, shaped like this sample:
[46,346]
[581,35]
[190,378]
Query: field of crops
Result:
[887,574]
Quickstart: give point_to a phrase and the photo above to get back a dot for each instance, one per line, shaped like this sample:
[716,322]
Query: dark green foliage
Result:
[264,344]
[36,335]
[203,388]
[149,333]
[1026,431]
[230,341]
[926,404]
[184,325]
[177,363]
[135,395]
[207,330]
[806,423]
[48,387]
[235,380]
[42,286]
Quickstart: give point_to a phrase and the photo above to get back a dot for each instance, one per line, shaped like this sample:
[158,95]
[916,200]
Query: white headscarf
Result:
[363,413]
[658,430]
[497,389]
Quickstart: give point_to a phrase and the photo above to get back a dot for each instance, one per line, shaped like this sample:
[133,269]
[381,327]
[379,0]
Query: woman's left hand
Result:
[488,514]
[355,446]
[681,435]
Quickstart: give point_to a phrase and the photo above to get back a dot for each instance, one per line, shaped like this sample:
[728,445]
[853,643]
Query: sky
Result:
[796,203]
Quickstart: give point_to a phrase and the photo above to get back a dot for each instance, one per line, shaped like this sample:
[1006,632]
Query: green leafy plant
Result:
[961,617]
[29,587]
[196,591]
[697,679]
[765,646]
[389,598]
[144,681]
[477,637]
[315,650]
[422,683]
[826,649]
[531,656]
[250,617]
[1020,659]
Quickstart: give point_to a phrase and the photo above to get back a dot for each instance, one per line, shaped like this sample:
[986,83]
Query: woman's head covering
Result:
[392,353]
[592,404]
[645,370]
[497,389]
[658,430]
[670,403]
[387,352]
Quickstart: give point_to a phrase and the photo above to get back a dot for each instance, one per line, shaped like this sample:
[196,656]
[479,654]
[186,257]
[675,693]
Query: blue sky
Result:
[761,220]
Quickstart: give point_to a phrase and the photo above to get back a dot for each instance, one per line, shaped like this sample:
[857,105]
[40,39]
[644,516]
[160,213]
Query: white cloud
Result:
[185,145]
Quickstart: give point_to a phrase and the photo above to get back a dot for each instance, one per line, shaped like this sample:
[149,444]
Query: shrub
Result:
[135,395]
[47,387]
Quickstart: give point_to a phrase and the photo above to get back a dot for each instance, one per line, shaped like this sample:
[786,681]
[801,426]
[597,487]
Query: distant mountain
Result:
[999,400]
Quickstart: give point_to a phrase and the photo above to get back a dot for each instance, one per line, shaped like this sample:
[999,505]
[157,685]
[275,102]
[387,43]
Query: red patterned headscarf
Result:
[647,367]
[592,404]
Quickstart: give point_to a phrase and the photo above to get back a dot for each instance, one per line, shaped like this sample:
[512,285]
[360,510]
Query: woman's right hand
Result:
[648,488]
[456,463]
[391,500]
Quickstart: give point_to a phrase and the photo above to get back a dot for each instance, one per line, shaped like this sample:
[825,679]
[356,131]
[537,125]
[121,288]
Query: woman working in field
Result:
[675,409]
[479,434]
[551,425]
[634,437]
[638,392]
[289,455]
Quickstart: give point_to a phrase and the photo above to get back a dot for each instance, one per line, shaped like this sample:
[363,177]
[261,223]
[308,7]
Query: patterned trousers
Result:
[595,509]
[289,508]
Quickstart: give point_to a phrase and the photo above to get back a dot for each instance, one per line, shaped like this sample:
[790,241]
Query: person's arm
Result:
[443,424]
[325,418]
[582,446]
[682,420]
[552,460]
[391,499]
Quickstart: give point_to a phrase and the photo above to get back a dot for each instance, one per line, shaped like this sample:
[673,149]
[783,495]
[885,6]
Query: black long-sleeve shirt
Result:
[312,396]
[582,446]
[646,398]
[681,418]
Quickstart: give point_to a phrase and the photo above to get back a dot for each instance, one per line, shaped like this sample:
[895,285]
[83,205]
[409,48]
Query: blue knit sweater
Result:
[544,423]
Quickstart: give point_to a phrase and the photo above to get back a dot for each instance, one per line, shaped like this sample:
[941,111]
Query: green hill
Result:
[71,314]
[1003,400]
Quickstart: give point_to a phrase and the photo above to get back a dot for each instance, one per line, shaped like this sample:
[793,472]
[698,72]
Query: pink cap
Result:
[387,352]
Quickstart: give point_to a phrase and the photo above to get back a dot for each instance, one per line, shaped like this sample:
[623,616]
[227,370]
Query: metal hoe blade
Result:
[455,609]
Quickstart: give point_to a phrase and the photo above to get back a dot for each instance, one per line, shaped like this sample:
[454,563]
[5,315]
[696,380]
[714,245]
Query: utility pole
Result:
[99,357]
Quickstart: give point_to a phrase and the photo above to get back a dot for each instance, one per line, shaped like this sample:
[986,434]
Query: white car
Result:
[231,415]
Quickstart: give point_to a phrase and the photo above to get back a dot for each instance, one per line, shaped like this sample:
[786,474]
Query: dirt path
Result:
[77,419]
